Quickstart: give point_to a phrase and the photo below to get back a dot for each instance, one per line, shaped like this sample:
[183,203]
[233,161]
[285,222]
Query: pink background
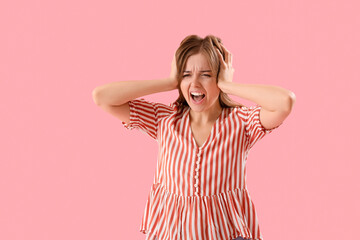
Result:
[69,170]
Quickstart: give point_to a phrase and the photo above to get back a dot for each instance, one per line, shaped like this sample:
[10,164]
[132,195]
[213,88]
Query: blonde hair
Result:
[193,44]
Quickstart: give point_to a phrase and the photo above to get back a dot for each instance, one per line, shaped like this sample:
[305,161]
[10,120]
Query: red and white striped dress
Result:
[199,193]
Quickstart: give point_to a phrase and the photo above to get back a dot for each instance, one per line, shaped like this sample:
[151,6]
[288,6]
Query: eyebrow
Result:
[201,71]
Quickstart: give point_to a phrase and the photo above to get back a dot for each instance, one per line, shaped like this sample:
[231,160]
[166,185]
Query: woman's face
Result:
[198,78]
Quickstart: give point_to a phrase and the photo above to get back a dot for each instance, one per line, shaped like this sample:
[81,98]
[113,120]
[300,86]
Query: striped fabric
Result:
[199,193]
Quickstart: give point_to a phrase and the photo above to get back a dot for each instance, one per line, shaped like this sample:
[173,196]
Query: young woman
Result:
[199,189]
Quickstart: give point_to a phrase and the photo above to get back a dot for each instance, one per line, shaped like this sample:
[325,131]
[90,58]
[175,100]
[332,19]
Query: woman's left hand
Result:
[226,70]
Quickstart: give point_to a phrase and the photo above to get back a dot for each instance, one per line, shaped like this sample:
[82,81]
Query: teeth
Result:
[196,94]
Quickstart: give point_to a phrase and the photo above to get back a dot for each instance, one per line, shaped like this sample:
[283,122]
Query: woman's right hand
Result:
[173,72]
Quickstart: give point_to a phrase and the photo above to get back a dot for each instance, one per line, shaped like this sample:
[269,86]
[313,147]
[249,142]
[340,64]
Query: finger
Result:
[221,57]
[227,53]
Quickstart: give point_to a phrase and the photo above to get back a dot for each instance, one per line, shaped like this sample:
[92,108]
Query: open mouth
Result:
[197,97]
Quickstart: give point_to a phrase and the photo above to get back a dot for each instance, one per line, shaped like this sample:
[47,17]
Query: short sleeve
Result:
[253,128]
[145,116]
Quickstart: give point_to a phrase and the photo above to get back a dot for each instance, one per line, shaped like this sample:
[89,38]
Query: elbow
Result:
[291,99]
[95,96]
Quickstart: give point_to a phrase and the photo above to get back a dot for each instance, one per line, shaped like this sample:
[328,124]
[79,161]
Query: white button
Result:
[196,176]
[195,185]
[197,161]
[197,169]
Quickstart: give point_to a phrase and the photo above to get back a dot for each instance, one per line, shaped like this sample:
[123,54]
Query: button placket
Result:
[197,167]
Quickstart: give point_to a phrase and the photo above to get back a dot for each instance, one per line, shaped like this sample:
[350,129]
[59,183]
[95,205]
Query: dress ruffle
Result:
[224,216]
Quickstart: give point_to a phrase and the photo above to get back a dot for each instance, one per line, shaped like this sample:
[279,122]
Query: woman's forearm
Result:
[272,98]
[117,93]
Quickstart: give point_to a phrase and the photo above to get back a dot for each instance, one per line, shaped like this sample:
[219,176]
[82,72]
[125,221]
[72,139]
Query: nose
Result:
[195,82]
[195,78]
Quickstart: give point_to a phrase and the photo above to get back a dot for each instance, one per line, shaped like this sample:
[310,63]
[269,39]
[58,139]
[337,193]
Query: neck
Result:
[207,116]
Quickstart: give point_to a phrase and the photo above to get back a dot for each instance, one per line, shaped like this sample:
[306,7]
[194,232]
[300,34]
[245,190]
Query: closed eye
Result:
[202,75]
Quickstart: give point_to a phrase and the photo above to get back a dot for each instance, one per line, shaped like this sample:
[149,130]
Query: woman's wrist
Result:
[224,86]
[172,83]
